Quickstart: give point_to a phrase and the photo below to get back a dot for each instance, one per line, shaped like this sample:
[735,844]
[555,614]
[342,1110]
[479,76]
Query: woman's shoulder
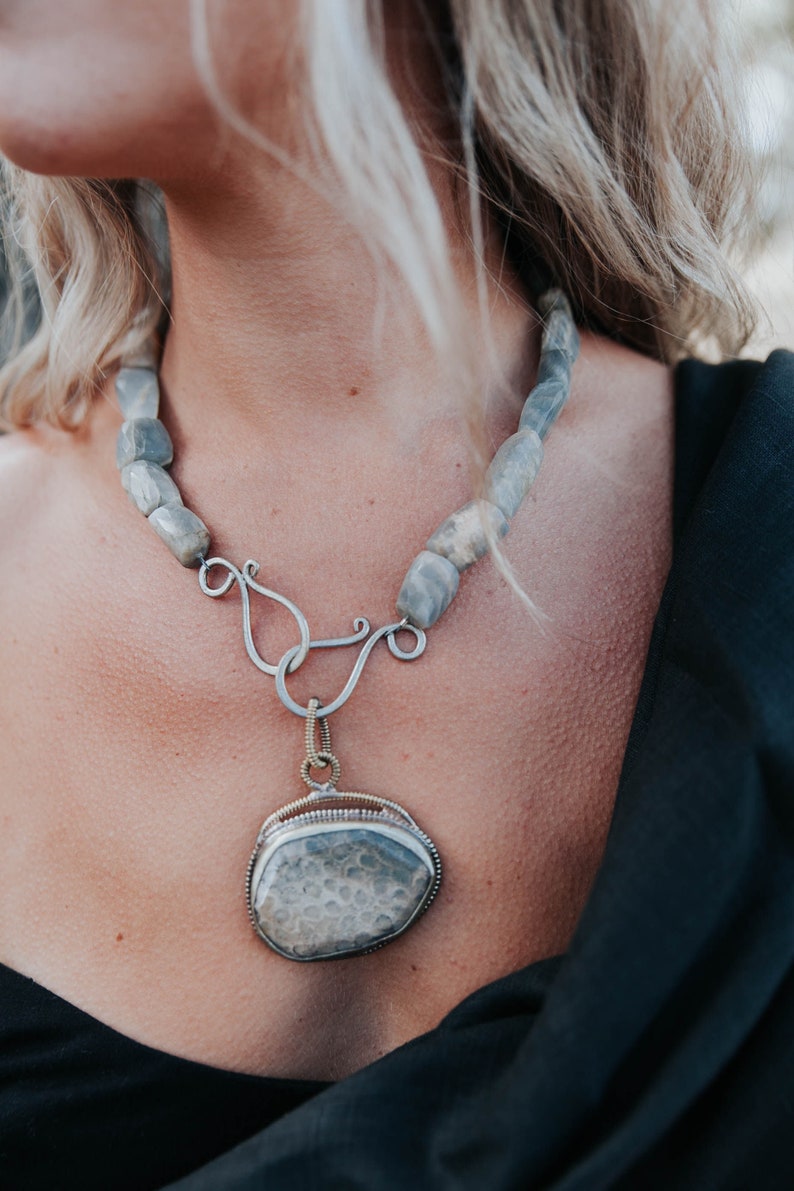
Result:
[26,475]
[34,466]
[749,402]
[735,437]
[27,455]
[735,570]
[44,501]
[756,388]
[44,468]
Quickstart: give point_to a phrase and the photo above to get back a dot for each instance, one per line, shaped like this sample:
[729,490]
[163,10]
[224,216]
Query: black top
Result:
[658,1053]
[83,1107]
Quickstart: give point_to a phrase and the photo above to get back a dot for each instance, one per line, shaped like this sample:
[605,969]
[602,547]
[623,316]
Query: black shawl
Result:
[659,1051]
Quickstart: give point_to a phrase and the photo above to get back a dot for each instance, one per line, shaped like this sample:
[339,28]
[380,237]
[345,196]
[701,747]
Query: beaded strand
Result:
[144,450]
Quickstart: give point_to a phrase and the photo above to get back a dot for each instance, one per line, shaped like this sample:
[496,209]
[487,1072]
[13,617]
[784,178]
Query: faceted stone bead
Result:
[183,532]
[144,438]
[513,470]
[148,486]
[339,890]
[462,538]
[543,406]
[428,589]
[138,392]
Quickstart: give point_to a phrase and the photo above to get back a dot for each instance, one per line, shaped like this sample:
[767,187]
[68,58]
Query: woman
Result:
[365,203]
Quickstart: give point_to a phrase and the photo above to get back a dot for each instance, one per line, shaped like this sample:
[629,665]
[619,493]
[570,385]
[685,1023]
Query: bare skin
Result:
[139,748]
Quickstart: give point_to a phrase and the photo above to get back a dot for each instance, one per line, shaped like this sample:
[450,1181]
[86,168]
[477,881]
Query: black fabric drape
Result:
[659,1051]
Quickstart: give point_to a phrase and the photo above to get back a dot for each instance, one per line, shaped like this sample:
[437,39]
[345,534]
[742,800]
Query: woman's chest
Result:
[141,752]
[134,790]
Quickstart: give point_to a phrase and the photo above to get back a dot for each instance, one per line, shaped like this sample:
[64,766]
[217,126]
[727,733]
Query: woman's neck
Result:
[282,320]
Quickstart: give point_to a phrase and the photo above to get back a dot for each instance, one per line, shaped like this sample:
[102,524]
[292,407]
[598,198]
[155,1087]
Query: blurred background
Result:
[768,26]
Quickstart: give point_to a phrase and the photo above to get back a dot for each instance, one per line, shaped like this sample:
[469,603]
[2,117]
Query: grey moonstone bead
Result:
[513,470]
[559,329]
[148,486]
[554,365]
[185,534]
[144,438]
[543,406]
[428,589]
[138,392]
[462,537]
[555,301]
[560,334]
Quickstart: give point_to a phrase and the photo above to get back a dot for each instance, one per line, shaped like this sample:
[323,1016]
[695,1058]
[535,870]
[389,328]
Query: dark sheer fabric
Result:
[83,1108]
[658,1053]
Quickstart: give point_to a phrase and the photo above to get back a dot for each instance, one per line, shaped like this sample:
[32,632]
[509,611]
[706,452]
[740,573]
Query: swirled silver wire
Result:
[388,631]
[244,579]
[296,655]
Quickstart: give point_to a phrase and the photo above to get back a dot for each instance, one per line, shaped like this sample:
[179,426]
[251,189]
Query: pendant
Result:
[336,874]
[339,874]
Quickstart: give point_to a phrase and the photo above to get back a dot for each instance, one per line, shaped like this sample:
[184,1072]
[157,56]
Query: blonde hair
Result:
[604,135]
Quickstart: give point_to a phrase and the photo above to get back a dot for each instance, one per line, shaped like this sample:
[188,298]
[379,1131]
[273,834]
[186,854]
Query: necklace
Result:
[339,873]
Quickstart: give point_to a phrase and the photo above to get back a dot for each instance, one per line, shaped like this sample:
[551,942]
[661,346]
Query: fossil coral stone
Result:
[334,889]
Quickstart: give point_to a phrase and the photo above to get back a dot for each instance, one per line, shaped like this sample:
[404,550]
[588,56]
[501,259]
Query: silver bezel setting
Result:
[313,815]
